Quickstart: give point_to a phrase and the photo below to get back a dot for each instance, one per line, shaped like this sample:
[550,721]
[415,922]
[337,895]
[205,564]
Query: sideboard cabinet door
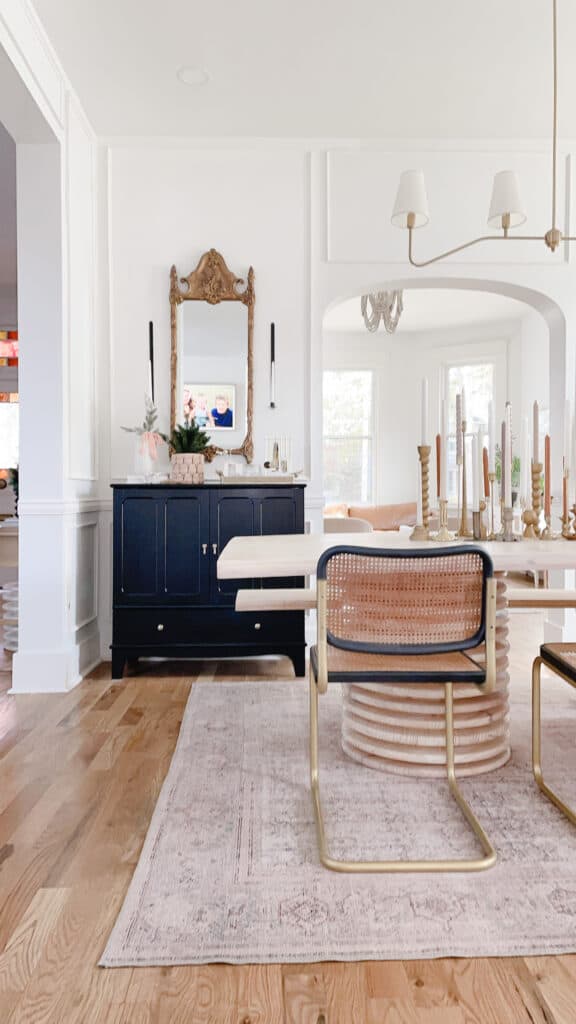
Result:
[187,561]
[233,514]
[162,547]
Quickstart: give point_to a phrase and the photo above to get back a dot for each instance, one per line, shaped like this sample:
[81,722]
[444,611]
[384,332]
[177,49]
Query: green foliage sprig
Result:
[187,438]
[149,424]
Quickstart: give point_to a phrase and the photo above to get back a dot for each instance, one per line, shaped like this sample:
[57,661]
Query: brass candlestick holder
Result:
[444,533]
[476,524]
[567,530]
[464,530]
[491,535]
[421,531]
[547,532]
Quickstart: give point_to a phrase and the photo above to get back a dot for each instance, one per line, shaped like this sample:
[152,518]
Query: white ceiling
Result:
[434,309]
[328,68]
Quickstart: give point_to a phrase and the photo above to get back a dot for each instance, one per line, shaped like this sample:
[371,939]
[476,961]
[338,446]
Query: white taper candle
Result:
[443,452]
[424,411]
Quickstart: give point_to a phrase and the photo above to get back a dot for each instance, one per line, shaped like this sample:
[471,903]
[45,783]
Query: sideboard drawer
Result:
[147,627]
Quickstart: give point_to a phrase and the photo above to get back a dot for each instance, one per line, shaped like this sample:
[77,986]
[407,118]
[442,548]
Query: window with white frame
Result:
[348,436]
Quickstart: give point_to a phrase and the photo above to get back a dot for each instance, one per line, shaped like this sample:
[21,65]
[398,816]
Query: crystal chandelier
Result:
[506,210]
[385,306]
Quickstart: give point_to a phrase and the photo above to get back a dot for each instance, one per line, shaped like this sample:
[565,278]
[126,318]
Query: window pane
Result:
[347,402]
[478,382]
[348,469]
[9,409]
[348,442]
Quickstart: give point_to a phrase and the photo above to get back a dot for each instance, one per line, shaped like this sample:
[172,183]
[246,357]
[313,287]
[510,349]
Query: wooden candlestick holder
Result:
[422,530]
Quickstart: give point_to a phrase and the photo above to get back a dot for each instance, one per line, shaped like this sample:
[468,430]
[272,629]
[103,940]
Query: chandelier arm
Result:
[555,108]
[467,245]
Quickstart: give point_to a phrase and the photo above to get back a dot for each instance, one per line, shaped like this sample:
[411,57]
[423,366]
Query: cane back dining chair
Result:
[561,660]
[395,615]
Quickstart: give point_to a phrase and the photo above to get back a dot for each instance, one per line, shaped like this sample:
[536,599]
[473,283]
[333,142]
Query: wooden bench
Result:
[279,599]
[544,597]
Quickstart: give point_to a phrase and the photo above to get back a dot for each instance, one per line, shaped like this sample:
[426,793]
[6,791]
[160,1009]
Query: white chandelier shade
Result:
[411,198]
[506,206]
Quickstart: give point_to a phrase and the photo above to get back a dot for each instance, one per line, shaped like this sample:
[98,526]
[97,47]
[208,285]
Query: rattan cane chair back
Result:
[405,602]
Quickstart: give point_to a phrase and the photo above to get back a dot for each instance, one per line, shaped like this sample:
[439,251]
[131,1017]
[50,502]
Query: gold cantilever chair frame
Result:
[319,679]
[537,731]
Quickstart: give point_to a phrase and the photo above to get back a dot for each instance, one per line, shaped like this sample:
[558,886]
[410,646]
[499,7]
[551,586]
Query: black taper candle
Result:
[272,366]
[151,346]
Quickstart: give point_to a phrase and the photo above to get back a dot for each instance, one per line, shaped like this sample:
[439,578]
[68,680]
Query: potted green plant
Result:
[188,445]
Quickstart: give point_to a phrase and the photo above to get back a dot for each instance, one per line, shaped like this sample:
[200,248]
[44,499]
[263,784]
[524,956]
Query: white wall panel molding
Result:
[64,507]
[79,180]
[82,557]
[361,185]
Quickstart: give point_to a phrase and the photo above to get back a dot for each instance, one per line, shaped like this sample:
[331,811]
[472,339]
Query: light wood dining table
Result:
[399,728]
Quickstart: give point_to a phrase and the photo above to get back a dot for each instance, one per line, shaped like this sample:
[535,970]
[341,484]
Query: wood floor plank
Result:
[259,994]
[25,946]
[305,994]
[181,995]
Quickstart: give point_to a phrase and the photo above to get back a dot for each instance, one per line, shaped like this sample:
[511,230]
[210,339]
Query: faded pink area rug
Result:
[229,869]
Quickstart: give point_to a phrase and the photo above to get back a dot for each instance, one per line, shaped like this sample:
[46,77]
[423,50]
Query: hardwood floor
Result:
[79,777]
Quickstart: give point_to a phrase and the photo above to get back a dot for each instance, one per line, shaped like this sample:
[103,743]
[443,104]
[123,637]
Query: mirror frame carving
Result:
[213,282]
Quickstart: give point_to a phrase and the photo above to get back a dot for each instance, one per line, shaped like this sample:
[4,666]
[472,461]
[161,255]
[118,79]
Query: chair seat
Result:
[356,667]
[561,657]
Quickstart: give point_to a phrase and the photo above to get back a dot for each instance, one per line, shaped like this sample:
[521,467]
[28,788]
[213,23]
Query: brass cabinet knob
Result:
[160,627]
[257,625]
[204,549]
[214,549]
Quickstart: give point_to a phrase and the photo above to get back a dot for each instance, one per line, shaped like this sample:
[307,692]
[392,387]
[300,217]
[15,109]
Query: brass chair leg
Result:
[537,741]
[397,866]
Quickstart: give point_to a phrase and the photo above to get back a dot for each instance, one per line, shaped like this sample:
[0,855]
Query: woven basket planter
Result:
[187,468]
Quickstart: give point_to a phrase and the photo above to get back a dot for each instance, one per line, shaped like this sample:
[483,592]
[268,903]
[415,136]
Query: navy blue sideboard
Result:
[167,601]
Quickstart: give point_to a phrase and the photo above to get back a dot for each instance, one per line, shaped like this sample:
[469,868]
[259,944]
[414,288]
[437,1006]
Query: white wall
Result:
[168,205]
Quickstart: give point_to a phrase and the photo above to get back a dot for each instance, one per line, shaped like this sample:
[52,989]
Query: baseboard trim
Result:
[54,671]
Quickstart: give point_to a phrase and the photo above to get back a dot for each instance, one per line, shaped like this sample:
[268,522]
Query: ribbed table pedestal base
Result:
[399,728]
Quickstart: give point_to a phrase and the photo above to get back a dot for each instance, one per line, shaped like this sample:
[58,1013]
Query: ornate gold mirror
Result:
[211,360]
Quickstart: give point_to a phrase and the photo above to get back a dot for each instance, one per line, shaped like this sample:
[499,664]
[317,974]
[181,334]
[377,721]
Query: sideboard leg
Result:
[299,661]
[118,661]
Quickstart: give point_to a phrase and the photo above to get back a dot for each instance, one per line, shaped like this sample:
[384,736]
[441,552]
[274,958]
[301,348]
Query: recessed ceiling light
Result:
[193,76]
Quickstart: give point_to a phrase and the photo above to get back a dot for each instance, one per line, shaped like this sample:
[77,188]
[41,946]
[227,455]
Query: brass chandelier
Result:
[506,211]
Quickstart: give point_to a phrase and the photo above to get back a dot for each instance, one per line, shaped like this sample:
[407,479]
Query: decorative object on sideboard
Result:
[147,440]
[214,331]
[188,446]
[278,454]
[272,366]
[384,306]
[506,210]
